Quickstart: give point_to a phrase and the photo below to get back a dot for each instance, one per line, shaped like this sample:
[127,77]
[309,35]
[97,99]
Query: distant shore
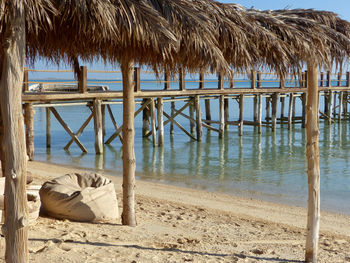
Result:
[178,224]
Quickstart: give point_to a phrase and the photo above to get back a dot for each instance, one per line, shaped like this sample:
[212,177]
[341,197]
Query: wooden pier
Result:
[282,94]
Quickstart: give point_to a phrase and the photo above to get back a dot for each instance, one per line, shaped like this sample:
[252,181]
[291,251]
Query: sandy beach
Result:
[184,225]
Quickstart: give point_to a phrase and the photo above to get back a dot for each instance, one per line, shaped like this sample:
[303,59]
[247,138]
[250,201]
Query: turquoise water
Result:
[270,166]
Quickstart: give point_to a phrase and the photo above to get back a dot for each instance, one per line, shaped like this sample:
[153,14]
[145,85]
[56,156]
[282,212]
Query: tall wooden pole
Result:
[98,126]
[129,162]
[29,123]
[312,153]
[13,146]
[160,121]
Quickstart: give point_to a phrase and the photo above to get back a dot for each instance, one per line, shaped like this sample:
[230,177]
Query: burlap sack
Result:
[80,197]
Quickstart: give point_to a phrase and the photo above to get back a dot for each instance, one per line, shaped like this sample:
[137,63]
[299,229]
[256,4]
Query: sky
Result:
[341,7]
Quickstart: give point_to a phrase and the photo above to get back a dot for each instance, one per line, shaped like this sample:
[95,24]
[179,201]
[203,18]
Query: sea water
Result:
[270,166]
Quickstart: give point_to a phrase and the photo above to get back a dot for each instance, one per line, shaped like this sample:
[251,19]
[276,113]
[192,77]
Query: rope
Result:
[46,70]
[103,71]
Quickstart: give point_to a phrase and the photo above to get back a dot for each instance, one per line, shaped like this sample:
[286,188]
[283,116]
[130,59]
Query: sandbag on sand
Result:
[80,197]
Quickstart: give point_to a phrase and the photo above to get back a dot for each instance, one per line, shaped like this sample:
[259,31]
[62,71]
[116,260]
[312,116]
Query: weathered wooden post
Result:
[267,108]
[348,79]
[274,110]
[340,111]
[198,118]
[29,124]
[82,79]
[312,153]
[255,81]
[98,126]
[145,118]
[231,80]
[172,104]
[221,115]
[330,106]
[241,114]
[290,110]
[303,116]
[206,101]
[48,128]
[339,79]
[160,121]
[153,122]
[226,103]
[13,146]
[129,162]
[137,82]
[182,79]
[191,109]
[260,113]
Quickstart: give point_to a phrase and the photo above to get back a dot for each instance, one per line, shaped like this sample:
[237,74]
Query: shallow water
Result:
[271,166]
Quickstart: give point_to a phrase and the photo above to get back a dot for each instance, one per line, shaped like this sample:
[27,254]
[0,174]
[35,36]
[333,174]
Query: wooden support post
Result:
[145,119]
[312,153]
[260,113]
[257,81]
[166,80]
[220,81]
[329,79]
[231,80]
[172,105]
[98,126]
[282,99]
[339,79]
[137,84]
[191,110]
[241,114]
[160,121]
[255,108]
[82,79]
[335,105]
[29,123]
[326,103]
[201,80]
[226,112]
[274,110]
[48,128]
[267,116]
[290,110]
[103,111]
[13,154]
[348,79]
[198,118]
[129,162]
[207,109]
[25,80]
[221,116]
[340,110]
[321,79]
[303,116]
[182,79]
[153,122]
[282,82]
[330,106]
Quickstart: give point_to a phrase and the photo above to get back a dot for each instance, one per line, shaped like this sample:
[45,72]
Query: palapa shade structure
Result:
[118,31]
[158,33]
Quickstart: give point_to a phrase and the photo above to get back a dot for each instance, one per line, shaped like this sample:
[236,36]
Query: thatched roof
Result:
[195,34]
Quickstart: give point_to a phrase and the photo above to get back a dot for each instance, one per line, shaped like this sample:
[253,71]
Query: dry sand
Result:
[184,225]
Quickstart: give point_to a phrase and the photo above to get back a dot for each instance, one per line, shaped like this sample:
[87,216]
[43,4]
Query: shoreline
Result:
[251,208]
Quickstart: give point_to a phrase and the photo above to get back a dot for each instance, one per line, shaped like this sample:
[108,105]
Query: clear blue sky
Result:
[341,7]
